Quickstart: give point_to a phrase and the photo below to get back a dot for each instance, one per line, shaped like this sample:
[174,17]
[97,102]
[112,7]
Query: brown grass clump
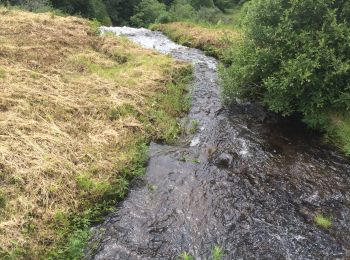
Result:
[72,105]
[211,40]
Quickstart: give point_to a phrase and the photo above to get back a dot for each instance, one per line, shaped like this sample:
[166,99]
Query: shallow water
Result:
[246,181]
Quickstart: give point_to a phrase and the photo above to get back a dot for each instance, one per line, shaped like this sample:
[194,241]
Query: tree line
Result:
[134,12]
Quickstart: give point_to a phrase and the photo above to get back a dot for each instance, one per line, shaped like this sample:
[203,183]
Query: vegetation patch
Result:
[77,114]
[211,40]
[338,132]
[322,221]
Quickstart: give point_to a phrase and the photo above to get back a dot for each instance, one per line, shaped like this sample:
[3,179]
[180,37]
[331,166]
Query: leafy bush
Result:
[147,12]
[295,58]
[211,15]
[182,10]
[120,11]
[97,9]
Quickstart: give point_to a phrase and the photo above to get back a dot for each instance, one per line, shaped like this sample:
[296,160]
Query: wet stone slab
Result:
[246,181]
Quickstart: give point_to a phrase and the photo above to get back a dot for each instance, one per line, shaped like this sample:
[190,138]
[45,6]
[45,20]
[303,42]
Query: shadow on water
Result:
[246,181]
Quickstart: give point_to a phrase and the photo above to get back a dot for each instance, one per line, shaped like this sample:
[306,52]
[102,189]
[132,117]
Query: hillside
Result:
[76,110]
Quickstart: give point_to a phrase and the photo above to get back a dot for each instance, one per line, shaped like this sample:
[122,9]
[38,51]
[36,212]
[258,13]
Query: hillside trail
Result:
[246,181]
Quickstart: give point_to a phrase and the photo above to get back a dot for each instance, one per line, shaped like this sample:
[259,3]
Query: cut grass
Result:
[211,40]
[77,113]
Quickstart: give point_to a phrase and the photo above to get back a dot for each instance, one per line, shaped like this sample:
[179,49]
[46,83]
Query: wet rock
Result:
[224,160]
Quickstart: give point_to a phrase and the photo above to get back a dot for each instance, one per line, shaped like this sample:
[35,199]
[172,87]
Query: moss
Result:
[322,221]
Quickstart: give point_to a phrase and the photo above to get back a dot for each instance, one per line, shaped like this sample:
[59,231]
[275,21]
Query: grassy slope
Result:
[216,39]
[77,111]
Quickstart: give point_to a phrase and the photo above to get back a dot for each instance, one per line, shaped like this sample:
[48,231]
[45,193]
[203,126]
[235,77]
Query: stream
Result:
[246,181]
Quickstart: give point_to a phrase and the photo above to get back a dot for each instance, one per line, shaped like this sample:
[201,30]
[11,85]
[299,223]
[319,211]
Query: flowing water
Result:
[245,181]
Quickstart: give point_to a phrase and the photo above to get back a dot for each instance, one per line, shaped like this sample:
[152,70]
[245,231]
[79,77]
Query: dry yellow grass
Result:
[59,83]
[212,40]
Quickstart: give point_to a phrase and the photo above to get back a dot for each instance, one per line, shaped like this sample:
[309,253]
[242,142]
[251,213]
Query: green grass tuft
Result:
[185,256]
[217,253]
[322,221]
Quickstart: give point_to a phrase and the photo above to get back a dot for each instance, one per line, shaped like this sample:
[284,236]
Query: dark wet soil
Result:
[246,181]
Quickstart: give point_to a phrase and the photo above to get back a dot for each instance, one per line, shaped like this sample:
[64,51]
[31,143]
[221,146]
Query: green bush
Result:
[210,15]
[223,5]
[295,58]
[182,10]
[147,12]
[120,11]
[97,9]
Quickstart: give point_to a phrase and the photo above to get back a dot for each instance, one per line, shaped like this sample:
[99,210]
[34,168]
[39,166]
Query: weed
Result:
[186,256]
[84,183]
[339,132]
[322,221]
[217,253]
[122,111]
[194,127]
[76,244]
[196,161]
[183,158]
[139,158]
[95,26]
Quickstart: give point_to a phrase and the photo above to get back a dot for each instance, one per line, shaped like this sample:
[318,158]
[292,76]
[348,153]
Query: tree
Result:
[182,10]
[147,12]
[120,11]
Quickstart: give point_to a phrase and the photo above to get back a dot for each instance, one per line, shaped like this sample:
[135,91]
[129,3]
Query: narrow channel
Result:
[246,181]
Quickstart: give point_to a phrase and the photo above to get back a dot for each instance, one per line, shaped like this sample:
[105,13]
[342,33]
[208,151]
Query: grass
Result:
[322,221]
[217,253]
[339,132]
[194,127]
[185,256]
[213,40]
[77,114]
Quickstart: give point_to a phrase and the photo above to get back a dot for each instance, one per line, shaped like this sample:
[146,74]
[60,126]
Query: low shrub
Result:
[182,10]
